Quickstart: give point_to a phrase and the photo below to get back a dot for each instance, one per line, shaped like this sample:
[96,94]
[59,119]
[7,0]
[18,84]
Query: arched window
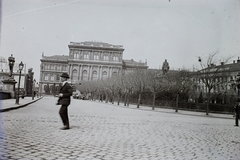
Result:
[52,78]
[85,75]
[104,75]
[74,75]
[114,74]
[46,77]
[94,75]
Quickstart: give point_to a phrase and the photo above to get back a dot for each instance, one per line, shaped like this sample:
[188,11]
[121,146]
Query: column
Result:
[91,72]
[101,70]
[70,71]
[99,67]
[79,67]
[108,72]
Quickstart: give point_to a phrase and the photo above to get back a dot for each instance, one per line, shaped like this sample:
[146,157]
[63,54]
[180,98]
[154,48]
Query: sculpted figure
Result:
[165,67]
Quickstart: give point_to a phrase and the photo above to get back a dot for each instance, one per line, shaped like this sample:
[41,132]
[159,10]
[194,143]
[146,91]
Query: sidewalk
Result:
[172,111]
[9,104]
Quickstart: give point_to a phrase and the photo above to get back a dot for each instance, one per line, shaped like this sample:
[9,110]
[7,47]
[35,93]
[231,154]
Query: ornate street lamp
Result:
[20,71]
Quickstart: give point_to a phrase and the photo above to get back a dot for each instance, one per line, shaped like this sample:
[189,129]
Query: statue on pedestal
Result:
[165,67]
[11,64]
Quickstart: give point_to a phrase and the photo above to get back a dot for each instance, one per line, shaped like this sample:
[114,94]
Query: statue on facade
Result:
[11,64]
[165,67]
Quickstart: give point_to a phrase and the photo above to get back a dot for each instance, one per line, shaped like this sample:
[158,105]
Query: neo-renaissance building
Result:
[87,61]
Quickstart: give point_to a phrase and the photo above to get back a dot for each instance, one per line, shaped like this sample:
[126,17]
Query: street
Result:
[101,131]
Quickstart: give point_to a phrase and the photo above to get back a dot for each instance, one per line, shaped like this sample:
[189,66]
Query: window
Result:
[96,57]
[52,67]
[85,56]
[59,68]
[74,74]
[114,74]
[58,78]
[46,67]
[75,55]
[105,58]
[94,75]
[52,78]
[104,75]
[115,58]
[85,76]
[64,68]
[46,77]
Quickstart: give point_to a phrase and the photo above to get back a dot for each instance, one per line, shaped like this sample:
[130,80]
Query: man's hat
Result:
[64,75]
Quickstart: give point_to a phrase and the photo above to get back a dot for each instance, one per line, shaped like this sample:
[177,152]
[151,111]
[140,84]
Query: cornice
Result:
[94,48]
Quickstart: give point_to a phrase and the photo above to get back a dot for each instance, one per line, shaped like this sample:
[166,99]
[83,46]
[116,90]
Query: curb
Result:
[20,106]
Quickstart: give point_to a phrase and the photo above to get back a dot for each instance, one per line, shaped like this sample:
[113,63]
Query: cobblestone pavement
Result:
[101,131]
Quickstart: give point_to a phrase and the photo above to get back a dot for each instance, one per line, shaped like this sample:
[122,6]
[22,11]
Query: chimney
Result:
[222,63]
[238,61]
[233,61]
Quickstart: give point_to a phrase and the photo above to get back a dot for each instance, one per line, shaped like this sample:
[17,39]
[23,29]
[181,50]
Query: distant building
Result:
[224,75]
[87,61]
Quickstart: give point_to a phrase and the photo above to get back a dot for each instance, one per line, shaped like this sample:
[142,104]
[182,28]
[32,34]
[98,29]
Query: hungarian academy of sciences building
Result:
[87,61]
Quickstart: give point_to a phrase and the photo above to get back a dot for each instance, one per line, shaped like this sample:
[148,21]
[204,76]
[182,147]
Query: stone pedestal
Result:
[9,86]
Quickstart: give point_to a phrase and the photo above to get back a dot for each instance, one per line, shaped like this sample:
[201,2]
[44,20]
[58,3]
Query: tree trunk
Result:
[139,100]
[208,102]
[106,98]
[154,97]
[125,99]
[118,99]
[177,103]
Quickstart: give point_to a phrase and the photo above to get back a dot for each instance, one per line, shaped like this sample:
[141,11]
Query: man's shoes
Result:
[65,128]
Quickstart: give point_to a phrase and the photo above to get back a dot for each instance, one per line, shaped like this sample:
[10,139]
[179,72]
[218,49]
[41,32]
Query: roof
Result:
[96,44]
[131,62]
[55,57]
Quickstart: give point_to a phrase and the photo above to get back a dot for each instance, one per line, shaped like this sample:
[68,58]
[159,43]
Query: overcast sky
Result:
[179,30]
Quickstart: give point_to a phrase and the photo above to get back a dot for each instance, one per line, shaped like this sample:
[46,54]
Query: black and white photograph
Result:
[119,79]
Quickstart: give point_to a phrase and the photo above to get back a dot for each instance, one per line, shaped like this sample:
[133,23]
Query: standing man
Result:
[65,94]
[237,112]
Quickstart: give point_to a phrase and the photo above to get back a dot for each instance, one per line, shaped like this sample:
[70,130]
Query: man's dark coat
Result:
[66,90]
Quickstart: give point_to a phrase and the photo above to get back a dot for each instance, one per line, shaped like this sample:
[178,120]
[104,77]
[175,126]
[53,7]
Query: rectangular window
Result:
[105,58]
[86,56]
[115,58]
[96,57]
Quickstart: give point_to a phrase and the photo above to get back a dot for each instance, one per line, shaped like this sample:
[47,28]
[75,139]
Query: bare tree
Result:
[179,84]
[155,83]
[139,82]
[211,73]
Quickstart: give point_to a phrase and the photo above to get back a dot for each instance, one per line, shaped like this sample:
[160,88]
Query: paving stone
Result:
[102,131]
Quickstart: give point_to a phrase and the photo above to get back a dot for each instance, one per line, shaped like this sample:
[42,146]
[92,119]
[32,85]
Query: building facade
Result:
[222,76]
[87,61]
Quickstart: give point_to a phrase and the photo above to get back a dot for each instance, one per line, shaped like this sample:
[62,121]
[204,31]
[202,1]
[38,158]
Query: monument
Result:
[9,83]
[165,67]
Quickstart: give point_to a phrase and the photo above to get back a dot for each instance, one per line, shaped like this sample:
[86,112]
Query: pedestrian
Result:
[237,112]
[64,99]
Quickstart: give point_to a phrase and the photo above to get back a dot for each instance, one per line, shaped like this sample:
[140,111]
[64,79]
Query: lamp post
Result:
[33,86]
[20,71]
